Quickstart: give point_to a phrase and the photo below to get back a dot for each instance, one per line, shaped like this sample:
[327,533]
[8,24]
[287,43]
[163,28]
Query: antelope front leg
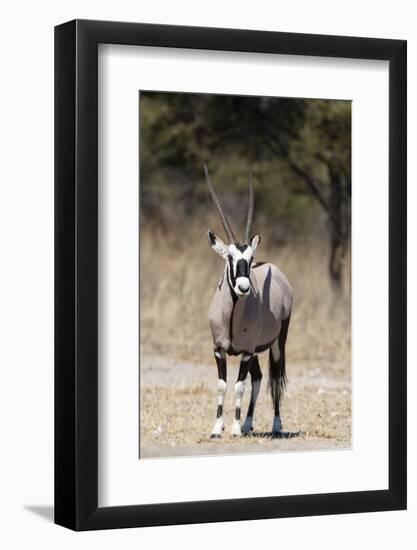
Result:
[218,427]
[239,390]
[256,377]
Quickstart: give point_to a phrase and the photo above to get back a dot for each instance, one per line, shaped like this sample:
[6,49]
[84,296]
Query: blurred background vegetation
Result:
[298,150]
[299,153]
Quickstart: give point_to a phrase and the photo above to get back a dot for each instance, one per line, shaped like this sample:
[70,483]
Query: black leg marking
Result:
[220,357]
[256,375]
[222,372]
[244,368]
[221,364]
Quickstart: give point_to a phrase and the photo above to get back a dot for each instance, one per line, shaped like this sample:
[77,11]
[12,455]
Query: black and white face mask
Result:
[239,261]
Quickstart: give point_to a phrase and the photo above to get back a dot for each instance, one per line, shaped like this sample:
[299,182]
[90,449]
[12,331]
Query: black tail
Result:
[277,375]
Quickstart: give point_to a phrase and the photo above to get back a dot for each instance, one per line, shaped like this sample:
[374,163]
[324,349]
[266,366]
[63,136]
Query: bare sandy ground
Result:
[178,406]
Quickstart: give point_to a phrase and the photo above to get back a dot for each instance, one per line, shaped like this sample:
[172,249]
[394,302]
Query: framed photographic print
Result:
[230,252]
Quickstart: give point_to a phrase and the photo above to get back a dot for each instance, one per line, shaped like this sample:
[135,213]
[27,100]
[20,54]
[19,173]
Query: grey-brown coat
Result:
[252,324]
[249,313]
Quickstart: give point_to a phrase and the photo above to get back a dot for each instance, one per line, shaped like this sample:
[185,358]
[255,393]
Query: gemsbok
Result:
[249,314]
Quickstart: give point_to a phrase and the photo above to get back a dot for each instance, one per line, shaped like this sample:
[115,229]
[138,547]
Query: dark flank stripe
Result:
[264,347]
[258,349]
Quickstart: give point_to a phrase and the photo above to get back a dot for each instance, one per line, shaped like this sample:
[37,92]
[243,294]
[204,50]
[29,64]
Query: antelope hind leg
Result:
[278,375]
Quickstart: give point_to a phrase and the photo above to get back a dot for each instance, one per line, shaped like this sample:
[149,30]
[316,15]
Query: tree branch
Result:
[279,149]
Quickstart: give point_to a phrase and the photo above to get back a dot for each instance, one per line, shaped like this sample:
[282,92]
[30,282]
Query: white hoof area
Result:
[217,429]
[236,429]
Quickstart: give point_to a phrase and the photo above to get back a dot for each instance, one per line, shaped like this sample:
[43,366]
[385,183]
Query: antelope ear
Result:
[254,241]
[217,244]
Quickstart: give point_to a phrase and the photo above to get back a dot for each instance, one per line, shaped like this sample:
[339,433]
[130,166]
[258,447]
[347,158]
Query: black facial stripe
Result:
[231,274]
[242,268]
[241,247]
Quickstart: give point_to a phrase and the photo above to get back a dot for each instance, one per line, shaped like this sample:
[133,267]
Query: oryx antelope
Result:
[249,313]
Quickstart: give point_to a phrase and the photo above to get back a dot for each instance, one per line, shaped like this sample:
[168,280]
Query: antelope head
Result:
[238,256]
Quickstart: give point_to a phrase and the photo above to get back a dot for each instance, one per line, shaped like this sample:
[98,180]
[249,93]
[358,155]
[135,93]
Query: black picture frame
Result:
[76,272]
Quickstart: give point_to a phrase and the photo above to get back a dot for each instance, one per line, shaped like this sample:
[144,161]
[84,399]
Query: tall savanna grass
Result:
[179,273]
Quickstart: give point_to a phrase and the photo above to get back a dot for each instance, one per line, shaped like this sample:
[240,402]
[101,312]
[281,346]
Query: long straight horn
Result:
[226,225]
[250,211]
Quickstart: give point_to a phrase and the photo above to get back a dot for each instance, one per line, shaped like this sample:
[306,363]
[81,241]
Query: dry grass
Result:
[178,374]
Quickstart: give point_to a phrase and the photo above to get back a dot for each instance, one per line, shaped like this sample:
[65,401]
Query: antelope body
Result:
[250,325]
[249,314]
